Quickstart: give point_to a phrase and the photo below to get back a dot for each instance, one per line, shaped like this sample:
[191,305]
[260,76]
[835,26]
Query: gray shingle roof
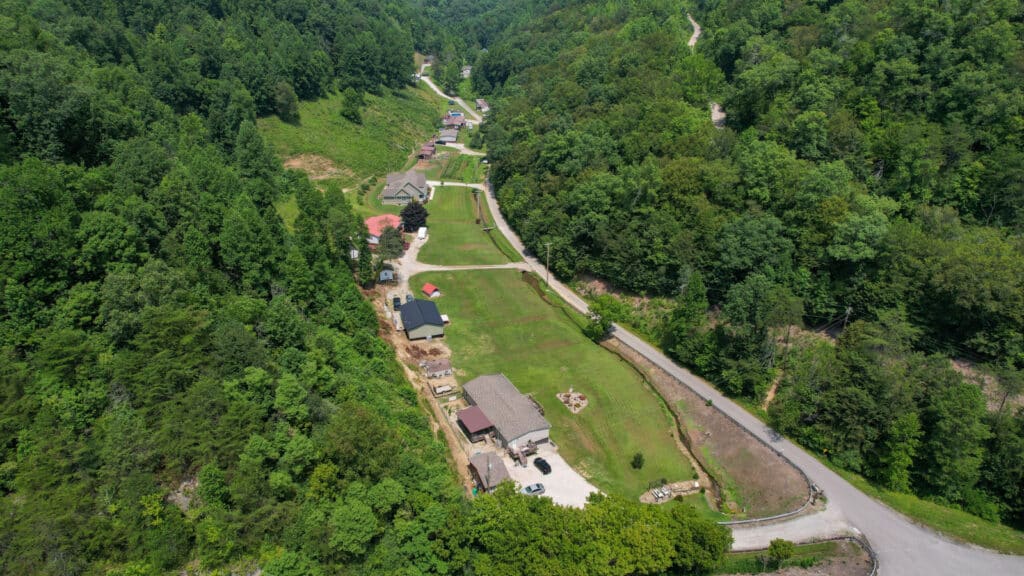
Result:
[397,180]
[420,312]
[489,476]
[512,413]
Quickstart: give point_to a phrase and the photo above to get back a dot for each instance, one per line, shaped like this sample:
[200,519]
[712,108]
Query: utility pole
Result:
[548,265]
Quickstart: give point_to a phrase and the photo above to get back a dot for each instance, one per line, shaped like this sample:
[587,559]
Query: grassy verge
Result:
[805,555]
[394,125]
[455,236]
[499,324]
[957,524]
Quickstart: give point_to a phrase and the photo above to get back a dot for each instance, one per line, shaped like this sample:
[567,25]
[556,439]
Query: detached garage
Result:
[515,417]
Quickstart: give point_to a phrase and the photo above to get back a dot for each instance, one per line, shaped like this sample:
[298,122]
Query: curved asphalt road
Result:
[903,547]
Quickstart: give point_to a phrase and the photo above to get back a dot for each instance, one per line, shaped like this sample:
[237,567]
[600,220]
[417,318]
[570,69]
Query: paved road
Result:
[469,109]
[903,548]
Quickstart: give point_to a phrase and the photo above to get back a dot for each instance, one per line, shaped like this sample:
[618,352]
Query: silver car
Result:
[533,490]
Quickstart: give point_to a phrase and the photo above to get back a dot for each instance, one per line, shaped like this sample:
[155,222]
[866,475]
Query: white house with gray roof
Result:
[516,418]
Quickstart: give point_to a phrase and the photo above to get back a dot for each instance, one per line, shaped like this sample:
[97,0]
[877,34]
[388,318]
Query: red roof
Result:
[429,289]
[377,224]
[474,419]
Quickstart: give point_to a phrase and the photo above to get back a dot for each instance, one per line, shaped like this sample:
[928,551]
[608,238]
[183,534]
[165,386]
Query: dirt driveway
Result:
[564,485]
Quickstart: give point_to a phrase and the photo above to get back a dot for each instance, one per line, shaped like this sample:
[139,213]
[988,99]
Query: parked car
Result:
[543,466]
[409,298]
[451,102]
[533,490]
[396,303]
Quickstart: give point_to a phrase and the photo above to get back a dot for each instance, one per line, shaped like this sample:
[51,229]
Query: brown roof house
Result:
[516,418]
[437,368]
[482,105]
[404,187]
[488,470]
[474,423]
[453,120]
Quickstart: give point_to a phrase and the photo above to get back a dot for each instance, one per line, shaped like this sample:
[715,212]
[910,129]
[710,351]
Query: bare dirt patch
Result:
[317,167]
[989,384]
[750,479]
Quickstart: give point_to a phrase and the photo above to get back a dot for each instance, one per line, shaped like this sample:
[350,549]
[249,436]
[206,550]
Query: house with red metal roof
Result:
[375,225]
[431,290]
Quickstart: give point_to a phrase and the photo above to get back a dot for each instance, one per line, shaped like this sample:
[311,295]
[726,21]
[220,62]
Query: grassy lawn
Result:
[394,125]
[806,555]
[954,523]
[500,324]
[455,237]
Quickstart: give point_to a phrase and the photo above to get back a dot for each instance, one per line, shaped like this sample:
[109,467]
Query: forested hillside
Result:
[185,385]
[870,177]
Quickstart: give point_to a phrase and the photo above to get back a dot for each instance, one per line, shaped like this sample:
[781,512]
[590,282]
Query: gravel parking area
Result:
[564,485]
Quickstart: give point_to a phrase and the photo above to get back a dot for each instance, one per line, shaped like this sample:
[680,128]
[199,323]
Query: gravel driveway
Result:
[564,485]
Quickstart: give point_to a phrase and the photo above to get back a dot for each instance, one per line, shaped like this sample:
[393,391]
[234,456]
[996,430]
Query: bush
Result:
[638,461]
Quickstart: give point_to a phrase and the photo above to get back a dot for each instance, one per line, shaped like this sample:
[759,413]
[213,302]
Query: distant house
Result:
[467,71]
[488,470]
[437,368]
[448,136]
[516,418]
[375,225]
[482,105]
[421,320]
[453,120]
[431,290]
[474,423]
[386,276]
[426,151]
[404,187]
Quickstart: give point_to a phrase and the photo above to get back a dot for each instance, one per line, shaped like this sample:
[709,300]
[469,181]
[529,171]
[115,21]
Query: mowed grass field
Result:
[500,324]
[455,236]
[394,125]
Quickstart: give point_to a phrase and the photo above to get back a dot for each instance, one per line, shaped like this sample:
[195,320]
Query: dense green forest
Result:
[870,177]
[184,384]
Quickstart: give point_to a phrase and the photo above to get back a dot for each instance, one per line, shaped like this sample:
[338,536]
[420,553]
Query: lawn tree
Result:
[414,216]
[638,461]
[391,243]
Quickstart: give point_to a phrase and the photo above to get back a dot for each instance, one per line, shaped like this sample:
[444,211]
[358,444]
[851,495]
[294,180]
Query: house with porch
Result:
[404,187]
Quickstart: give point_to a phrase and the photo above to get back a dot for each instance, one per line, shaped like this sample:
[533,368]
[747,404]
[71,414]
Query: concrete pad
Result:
[564,485]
